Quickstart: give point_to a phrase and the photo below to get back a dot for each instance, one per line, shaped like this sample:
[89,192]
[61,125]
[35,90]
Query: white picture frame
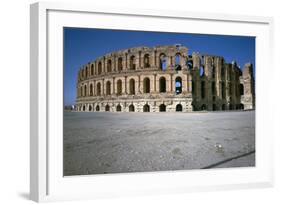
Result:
[46,179]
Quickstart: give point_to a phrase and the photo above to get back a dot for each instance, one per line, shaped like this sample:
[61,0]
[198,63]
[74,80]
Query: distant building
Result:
[163,79]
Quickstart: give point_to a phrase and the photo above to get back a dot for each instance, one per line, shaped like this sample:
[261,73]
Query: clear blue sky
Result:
[84,45]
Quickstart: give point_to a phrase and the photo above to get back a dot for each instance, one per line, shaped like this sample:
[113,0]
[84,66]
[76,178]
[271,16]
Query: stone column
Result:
[113,86]
[172,89]
[125,85]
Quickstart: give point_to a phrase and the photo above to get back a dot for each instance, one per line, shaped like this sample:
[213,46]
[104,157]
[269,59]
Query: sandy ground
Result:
[98,143]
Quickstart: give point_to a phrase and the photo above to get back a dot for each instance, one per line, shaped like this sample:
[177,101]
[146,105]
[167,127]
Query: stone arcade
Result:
[163,79]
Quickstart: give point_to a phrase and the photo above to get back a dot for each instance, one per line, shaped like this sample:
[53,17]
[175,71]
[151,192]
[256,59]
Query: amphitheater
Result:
[163,79]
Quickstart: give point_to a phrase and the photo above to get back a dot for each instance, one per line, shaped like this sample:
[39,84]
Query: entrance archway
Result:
[146,108]
[179,108]
[118,108]
[107,108]
[162,108]
[97,108]
[131,108]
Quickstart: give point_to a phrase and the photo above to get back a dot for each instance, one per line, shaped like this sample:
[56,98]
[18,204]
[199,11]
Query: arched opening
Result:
[203,107]
[162,108]
[85,90]
[241,106]
[87,71]
[131,108]
[132,87]
[109,66]
[98,89]
[214,107]
[203,89]
[119,87]
[118,108]
[97,108]
[91,89]
[107,108]
[230,107]
[163,62]
[178,85]
[146,108]
[177,61]
[92,69]
[132,63]
[108,88]
[179,108]
[120,66]
[146,61]
[99,68]
[241,89]
[223,107]
[84,107]
[90,107]
[146,85]
[162,85]
[201,71]
[189,64]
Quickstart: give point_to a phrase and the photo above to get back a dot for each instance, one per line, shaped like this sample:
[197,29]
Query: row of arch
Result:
[146,108]
[163,62]
[132,84]
[223,107]
[162,107]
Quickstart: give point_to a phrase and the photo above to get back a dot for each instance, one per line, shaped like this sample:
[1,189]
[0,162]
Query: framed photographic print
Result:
[127,102]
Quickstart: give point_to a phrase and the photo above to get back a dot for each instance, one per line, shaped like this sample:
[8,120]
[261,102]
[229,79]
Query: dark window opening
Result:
[241,88]
[146,61]
[162,108]
[98,89]
[91,89]
[179,108]
[119,87]
[107,108]
[132,63]
[190,64]
[146,85]
[97,108]
[132,87]
[108,88]
[118,108]
[146,108]
[99,68]
[109,66]
[162,85]
[120,66]
[131,108]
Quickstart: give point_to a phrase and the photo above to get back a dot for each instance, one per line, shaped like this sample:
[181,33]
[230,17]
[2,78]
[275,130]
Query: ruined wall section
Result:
[248,97]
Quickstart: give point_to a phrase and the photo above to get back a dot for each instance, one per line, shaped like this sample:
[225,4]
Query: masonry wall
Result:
[163,78]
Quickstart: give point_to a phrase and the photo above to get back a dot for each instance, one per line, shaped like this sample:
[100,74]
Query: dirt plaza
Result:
[106,142]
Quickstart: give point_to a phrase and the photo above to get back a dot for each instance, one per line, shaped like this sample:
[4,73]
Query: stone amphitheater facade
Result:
[163,79]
